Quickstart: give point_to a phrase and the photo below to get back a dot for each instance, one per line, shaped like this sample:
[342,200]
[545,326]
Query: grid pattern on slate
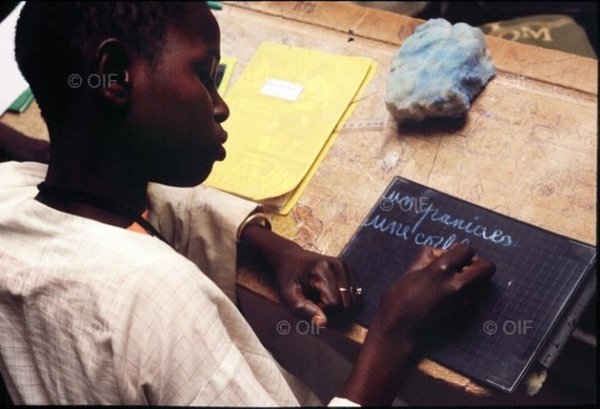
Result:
[537,273]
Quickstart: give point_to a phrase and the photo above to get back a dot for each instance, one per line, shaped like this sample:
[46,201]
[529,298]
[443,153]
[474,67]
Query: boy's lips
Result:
[222,137]
[220,149]
[221,153]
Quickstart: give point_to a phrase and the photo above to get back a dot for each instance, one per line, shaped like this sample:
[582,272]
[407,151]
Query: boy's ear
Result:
[112,65]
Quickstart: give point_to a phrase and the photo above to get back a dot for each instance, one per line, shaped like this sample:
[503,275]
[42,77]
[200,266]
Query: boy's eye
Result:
[210,78]
[207,80]
[205,76]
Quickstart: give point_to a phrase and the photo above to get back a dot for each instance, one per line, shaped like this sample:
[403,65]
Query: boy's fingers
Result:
[301,306]
[322,281]
[327,297]
[332,279]
[479,271]
[346,280]
[308,310]
[437,252]
[454,259]
[425,257]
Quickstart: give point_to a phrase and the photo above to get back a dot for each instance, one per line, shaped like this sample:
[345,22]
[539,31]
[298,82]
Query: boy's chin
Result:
[185,179]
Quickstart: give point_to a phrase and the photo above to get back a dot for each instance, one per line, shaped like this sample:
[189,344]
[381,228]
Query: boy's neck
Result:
[102,173]
[114,204]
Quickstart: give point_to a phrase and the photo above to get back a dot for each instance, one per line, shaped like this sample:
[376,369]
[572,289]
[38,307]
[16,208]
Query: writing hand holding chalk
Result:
[429,290]
[432,288]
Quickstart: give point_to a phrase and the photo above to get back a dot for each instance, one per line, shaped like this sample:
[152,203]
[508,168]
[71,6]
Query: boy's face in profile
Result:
[175,111]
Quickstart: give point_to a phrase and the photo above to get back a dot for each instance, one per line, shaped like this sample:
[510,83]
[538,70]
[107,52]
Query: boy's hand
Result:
[437,283]
[308,283]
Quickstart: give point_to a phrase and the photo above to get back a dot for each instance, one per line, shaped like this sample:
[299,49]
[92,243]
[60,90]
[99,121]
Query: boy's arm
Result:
[17,146]
[436,285]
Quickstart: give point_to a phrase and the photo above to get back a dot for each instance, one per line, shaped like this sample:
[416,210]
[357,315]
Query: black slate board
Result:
[537,274]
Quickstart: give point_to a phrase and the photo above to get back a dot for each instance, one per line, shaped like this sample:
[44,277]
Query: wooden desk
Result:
[527,147]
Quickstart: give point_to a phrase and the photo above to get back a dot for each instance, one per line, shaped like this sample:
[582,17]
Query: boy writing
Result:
[97,310]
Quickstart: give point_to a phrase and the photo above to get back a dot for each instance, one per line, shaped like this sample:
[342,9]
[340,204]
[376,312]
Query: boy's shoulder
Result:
[86,250]
[85,247]
[21,174]
[18,183]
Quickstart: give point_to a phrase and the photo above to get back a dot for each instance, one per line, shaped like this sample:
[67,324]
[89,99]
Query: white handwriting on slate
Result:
[430,213]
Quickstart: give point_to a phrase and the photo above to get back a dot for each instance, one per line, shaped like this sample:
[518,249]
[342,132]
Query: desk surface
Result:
[527,148]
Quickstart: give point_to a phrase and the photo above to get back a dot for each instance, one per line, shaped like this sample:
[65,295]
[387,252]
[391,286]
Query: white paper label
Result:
[282,89]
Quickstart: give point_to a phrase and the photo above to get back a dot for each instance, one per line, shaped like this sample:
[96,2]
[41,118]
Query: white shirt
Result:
[95,314]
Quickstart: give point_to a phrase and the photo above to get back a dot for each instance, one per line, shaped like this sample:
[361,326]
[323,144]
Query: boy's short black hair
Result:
[54,40]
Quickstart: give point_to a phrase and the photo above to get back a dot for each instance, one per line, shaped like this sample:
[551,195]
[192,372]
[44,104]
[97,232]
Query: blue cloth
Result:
[438,71]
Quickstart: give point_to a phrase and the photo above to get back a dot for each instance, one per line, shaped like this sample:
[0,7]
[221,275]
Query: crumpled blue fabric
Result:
[438,71]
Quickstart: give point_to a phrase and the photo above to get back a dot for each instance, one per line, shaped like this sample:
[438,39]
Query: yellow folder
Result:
[285,108]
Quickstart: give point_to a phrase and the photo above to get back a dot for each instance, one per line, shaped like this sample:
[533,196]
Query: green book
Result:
[23,102]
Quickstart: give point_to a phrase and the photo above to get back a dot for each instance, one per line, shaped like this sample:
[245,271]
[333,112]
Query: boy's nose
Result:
[221,109]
